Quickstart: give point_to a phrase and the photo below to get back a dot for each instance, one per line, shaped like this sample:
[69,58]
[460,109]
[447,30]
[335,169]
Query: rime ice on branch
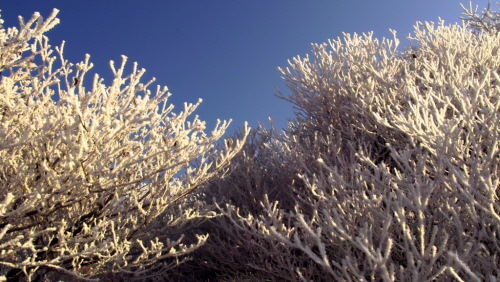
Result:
[94,178]
[390,170]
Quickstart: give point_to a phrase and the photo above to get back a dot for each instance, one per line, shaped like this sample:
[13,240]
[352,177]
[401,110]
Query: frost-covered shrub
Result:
[392,166]
[95,179]
[257,175]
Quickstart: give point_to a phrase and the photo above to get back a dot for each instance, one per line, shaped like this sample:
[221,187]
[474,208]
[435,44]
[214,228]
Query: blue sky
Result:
[225,52]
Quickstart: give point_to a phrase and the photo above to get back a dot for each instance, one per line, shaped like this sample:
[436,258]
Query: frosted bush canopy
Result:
[85,178]
[389,170]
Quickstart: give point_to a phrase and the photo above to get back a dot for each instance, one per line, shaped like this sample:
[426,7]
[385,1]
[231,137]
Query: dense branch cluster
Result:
[389,171]
[86,170]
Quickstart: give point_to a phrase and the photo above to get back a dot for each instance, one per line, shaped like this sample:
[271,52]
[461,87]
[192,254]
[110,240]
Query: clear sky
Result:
[223,51]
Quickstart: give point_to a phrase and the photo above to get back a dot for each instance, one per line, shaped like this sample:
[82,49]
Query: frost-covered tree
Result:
[94,179]
[390,170]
